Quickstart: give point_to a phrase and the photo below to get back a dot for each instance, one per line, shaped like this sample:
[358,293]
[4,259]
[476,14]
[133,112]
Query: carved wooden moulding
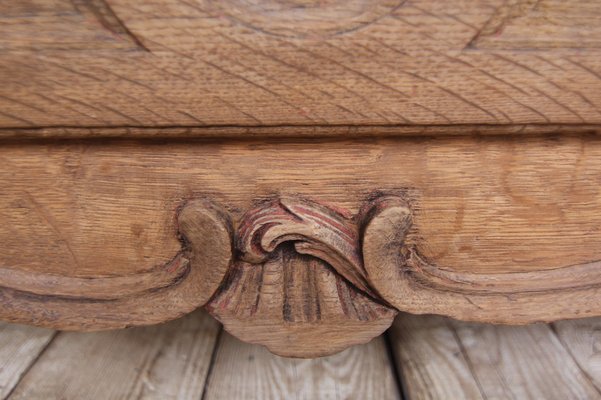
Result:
[303,278]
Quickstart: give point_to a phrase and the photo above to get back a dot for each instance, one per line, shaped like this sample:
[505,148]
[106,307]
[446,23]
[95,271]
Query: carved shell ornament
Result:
[297,282]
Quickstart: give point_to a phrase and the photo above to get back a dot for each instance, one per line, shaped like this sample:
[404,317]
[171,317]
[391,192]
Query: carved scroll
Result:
[408,282]
[163,293]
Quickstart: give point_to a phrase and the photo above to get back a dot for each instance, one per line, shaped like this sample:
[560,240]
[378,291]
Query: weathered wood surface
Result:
[169,361]
[582,339]
[411,283]
[440,358]
[20,347]
[297,306]
[430,360]
[188,359]
[481,204]
[155,63]
[245,371]
[544,24]
[68,300]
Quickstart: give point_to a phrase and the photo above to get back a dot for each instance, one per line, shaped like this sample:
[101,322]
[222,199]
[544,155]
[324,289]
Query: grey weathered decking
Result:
[421,357]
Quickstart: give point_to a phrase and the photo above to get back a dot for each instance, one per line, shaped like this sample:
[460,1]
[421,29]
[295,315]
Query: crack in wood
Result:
[559,24]
[66,24]
[107,17]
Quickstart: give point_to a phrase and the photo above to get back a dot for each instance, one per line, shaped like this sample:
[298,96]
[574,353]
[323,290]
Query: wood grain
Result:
[430,360]
[388,62]
[357,373]
[438,356]
[64,26]
[523,363]
[437,359]
[297,307]
[482,118]
[168,361]
[481,204]
[344,132]
[536,25]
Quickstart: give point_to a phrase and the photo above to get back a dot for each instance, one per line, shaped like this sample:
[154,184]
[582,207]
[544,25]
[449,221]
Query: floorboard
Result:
[430,361]
[20,347]
[582,339]
[440,358]
[424,357]
[243,371]
[168,361]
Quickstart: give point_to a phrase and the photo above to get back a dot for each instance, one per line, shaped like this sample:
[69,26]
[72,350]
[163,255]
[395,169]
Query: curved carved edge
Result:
[301,278]
[163,293]
[405,280]
[318,19]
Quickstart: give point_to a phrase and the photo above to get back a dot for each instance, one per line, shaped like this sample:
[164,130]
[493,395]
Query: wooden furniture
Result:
[303,169]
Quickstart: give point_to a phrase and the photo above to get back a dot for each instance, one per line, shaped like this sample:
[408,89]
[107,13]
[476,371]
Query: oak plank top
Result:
[390,63]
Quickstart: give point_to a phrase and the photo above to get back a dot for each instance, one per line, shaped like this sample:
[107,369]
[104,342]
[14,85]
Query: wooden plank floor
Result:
[421,357]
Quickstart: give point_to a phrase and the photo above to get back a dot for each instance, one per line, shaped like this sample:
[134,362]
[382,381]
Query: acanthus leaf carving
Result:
[314,229]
